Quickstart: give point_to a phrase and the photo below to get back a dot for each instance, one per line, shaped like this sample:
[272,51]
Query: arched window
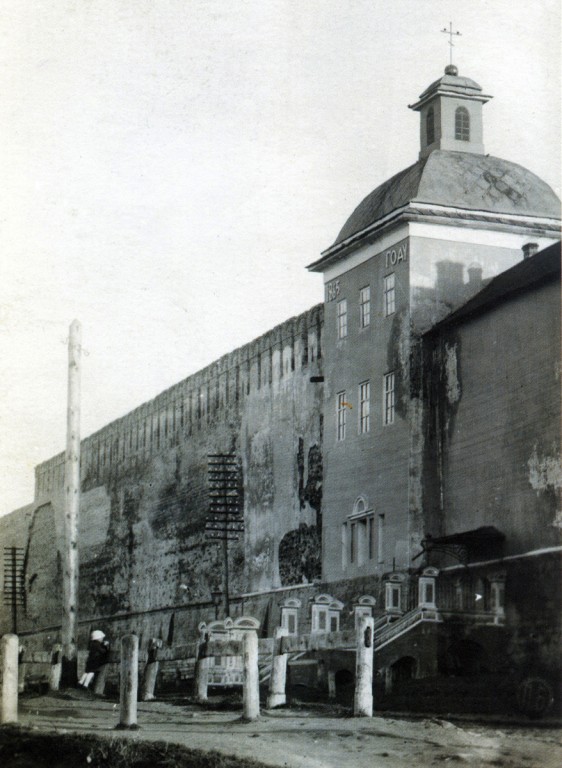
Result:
[430,126]
[462,124]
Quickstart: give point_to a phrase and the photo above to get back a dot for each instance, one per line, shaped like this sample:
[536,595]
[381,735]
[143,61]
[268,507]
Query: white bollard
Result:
[278,681]
[331,684]
[129,682]
[251,696]
[9,648]
[363,700]
[151,670]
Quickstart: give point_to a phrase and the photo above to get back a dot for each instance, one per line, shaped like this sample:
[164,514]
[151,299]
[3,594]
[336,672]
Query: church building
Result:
[397,447]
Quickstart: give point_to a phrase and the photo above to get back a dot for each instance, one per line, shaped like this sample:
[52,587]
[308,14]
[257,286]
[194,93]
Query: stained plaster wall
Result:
[494,427]
[373,465]
[144,495]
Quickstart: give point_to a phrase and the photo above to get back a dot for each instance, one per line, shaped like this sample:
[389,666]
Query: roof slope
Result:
[459,180]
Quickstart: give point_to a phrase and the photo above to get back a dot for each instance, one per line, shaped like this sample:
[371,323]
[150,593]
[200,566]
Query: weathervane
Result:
[451,35]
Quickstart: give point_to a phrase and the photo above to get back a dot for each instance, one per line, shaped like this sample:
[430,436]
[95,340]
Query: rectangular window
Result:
[389,398]
[342,318]
[389,295]
[341,406]
[380,539]
[365,306]
[364,407]
[361,541]
[352,545]
[371,537]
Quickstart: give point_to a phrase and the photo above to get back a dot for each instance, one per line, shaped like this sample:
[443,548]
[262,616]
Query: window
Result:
[364,407]
[392,597]
[289,615]
[365,306]
[380,539]
[352,542]
[389,295]
[462,124]
[342,318]
[389,399]
[371,537]
[326,614]
[426,592]
[341,406]
[430,126]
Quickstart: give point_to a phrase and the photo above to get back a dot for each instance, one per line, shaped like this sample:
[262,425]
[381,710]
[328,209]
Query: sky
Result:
[170,167]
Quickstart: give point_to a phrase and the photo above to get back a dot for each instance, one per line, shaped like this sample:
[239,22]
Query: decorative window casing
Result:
[427,588]
[326,612]
[290,615]
[389,397]
[393,594]
[364,407]
[462,124]
[358,535]
[389,294]
[341,406]
[342,318]
[365,306]
[363,607]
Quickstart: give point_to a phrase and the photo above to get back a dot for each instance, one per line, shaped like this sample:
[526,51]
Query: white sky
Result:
[169,167]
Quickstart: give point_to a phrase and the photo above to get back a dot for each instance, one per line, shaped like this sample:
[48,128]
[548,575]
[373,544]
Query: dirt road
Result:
[305,739]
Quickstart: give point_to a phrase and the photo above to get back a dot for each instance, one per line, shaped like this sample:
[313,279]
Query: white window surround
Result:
[326,612]
[427,588]
[358,546]
[290,615]
[393,594]
[363,607]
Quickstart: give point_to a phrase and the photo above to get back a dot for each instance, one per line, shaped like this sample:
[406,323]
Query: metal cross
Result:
[451,34]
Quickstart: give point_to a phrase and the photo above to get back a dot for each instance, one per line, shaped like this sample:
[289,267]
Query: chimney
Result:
[449,283]
[529,249]
[474,277]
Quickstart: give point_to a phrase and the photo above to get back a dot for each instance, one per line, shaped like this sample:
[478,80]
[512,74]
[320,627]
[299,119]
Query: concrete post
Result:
[9,659]
[201,675]
[331,684]
[278,681]
[99,681]
[56,667]
[251,695]
[151,670]
[129,682]
[363,700]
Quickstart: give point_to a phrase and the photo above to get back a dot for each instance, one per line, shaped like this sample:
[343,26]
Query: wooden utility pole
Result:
[71,509]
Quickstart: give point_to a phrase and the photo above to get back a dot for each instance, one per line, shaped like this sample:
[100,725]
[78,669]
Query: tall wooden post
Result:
[71,509]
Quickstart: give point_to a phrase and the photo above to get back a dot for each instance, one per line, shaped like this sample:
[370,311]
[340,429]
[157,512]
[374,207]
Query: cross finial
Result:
[451,44]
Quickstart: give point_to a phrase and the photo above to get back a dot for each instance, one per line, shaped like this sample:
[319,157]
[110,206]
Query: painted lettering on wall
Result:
[333,290]
[395,255]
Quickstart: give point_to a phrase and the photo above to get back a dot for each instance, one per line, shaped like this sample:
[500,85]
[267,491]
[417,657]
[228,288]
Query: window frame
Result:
[365,306]
[389,294]
[364,397]
[389,398]
[430,126]
[340,416]
[462,124]
[341,316]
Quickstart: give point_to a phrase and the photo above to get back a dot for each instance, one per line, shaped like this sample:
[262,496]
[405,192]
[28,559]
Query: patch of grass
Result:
[24,748]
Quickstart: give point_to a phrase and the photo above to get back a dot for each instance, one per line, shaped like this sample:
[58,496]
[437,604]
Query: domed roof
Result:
[462,180]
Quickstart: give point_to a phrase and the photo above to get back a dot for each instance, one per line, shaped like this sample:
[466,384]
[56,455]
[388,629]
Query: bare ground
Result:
[305,738]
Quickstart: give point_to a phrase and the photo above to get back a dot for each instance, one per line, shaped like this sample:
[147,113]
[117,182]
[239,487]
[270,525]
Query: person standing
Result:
[98,653]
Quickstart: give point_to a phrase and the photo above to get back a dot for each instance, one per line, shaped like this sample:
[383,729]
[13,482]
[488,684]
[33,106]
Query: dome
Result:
[461,180]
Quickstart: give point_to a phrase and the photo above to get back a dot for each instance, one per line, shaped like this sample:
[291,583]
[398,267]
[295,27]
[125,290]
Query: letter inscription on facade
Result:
[396,254]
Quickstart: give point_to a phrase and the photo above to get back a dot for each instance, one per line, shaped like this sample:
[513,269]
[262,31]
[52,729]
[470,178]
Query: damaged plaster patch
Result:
[545,474]
[453,389]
